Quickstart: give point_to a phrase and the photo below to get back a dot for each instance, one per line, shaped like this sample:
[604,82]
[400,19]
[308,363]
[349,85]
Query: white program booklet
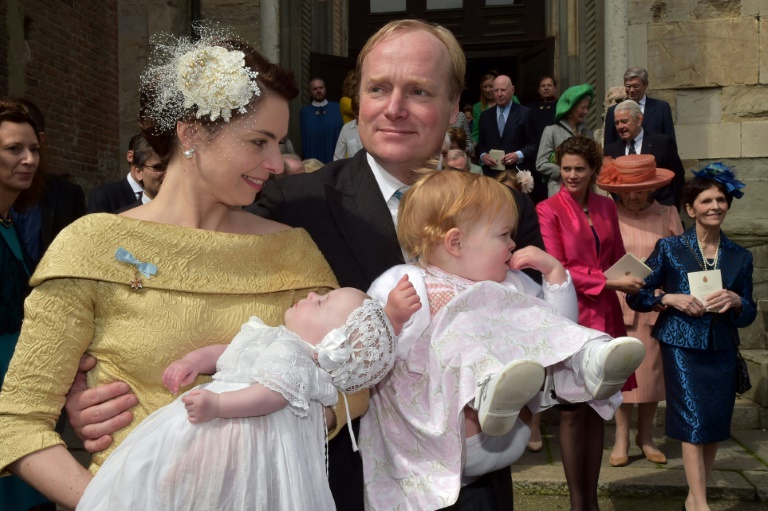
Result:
[627,265]
[704,283]
[498,155]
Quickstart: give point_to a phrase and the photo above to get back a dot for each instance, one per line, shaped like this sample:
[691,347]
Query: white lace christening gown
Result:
[271,462]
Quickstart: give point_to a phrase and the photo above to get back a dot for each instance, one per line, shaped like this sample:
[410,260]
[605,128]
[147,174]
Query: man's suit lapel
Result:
[363,218]
[649,112]
[648,143]
[514,112]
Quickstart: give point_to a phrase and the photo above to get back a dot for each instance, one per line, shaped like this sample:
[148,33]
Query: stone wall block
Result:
[658,11]
[763,48]
[698,106]
[754,139]
[754,7]
[703,53]
[638,45]
[745,103]
[709,9]
[709,141]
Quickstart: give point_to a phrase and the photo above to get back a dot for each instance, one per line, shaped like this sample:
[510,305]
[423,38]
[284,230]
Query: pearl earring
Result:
[189,152]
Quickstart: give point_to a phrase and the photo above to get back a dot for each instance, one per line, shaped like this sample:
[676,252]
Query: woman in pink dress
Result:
[642,221]
[581,229]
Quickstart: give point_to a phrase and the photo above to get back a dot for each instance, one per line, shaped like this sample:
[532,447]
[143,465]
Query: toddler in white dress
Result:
[475,354]
[254,437]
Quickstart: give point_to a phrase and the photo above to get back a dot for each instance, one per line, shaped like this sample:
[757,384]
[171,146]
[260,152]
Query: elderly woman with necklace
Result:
[698,335]
[643,222]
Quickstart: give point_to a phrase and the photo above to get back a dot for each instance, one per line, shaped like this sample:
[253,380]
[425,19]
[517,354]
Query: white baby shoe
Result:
[608,365]
[501,396]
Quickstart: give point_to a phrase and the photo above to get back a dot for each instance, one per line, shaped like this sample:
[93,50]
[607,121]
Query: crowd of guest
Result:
[218,220]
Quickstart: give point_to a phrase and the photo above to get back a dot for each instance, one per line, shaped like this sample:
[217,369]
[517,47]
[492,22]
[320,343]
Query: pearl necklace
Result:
[704,258]
[6,220]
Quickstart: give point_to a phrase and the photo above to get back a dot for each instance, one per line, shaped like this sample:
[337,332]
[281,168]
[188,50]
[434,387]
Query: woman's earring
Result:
[189,152]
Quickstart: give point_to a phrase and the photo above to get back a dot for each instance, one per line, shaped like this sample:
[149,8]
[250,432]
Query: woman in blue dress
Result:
[699,336]
[20,186]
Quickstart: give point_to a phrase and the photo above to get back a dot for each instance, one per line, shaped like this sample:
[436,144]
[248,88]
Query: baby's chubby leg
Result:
[485,454]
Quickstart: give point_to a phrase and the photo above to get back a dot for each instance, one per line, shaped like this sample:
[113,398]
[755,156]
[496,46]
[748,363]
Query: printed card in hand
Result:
[627,265]
[704,283]
[498,155]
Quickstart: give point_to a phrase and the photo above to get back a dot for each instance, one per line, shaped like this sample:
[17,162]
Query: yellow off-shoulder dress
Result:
[206,286]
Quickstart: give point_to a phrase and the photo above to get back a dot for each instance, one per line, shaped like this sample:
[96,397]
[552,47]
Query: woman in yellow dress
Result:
[193,268]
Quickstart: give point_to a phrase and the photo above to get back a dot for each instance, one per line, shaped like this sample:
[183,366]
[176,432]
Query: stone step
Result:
[746,415]
[739,482]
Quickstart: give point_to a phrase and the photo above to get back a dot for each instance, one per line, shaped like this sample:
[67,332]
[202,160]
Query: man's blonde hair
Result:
[452,46]
[442,200]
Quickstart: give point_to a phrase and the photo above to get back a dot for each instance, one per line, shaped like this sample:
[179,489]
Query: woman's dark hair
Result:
[13,111]
[697,185]
[272,79]
[584,147]
[142,151]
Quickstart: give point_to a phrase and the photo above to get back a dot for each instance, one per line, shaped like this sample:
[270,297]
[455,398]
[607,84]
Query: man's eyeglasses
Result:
[156,168]
[632,87]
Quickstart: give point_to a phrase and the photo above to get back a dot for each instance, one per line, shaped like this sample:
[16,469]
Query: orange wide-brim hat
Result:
[632,173]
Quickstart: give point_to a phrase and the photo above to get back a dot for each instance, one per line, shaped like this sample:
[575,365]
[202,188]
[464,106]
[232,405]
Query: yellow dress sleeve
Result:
[358,405]
[58,327]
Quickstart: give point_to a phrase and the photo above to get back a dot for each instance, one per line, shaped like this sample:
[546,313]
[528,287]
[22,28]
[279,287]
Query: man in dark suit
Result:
[657,114]
[115,196]
[412,75]
[635,140]
[506,127]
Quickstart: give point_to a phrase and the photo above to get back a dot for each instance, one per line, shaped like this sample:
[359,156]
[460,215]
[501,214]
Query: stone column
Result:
[270,29]
[616,42]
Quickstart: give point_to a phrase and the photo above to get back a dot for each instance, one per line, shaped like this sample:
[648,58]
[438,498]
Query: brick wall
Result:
[3,51]
[71,73]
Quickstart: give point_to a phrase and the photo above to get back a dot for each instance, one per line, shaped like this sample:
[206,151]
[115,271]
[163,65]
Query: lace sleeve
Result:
[287,367]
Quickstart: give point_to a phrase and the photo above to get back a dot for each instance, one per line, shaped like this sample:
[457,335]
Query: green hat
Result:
[571,98]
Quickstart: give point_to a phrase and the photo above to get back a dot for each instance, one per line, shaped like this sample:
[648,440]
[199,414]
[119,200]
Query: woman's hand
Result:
[536,259]
[626,284]
[722,301]
[179,374]
[686,304]
[96,413]
[201,405]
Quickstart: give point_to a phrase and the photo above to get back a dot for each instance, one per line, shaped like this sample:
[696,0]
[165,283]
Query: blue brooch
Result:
[145,269]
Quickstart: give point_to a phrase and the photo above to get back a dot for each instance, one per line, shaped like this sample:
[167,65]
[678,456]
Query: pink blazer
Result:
[568,237]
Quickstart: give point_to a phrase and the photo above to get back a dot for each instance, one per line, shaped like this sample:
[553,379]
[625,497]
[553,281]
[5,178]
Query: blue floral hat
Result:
[724,175]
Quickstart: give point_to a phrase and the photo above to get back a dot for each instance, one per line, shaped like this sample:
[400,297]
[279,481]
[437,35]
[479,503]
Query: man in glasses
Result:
[657,115]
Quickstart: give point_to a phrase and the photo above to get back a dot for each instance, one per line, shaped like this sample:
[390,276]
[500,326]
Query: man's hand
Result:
[179,374]
[402,303]
[201,405]
[510,159]
[95,414]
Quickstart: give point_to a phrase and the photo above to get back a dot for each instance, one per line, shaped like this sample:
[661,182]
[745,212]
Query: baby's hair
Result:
[442,200]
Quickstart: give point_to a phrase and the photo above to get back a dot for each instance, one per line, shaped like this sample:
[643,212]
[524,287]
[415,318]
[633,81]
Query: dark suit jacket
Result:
[518,135]
[671,261]
[657,118]
[110,197]
[664,149]
[62,204]
[342,208]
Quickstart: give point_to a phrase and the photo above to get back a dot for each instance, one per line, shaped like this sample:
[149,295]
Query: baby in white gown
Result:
[254,437]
